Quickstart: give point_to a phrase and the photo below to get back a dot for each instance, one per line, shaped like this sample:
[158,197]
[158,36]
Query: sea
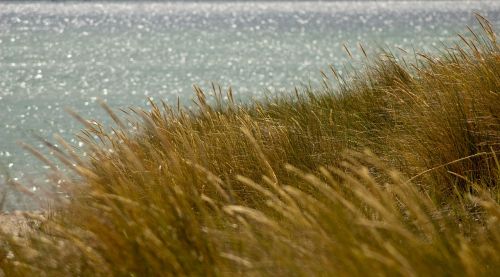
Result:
[56,56]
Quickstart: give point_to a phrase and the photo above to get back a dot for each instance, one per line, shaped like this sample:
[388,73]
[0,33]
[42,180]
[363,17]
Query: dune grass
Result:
[287,186]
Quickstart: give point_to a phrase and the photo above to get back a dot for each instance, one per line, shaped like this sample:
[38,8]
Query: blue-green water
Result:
[57,55]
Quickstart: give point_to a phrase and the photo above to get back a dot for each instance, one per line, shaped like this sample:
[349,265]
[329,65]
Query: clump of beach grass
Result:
[287,186]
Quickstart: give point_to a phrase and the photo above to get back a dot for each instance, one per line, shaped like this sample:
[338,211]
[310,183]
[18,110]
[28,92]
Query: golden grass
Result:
[285,186]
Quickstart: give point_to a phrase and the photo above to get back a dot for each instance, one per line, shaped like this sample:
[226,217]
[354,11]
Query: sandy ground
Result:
[16,223]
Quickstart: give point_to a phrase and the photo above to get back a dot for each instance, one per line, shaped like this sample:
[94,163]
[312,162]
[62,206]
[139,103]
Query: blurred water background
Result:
[57,55]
